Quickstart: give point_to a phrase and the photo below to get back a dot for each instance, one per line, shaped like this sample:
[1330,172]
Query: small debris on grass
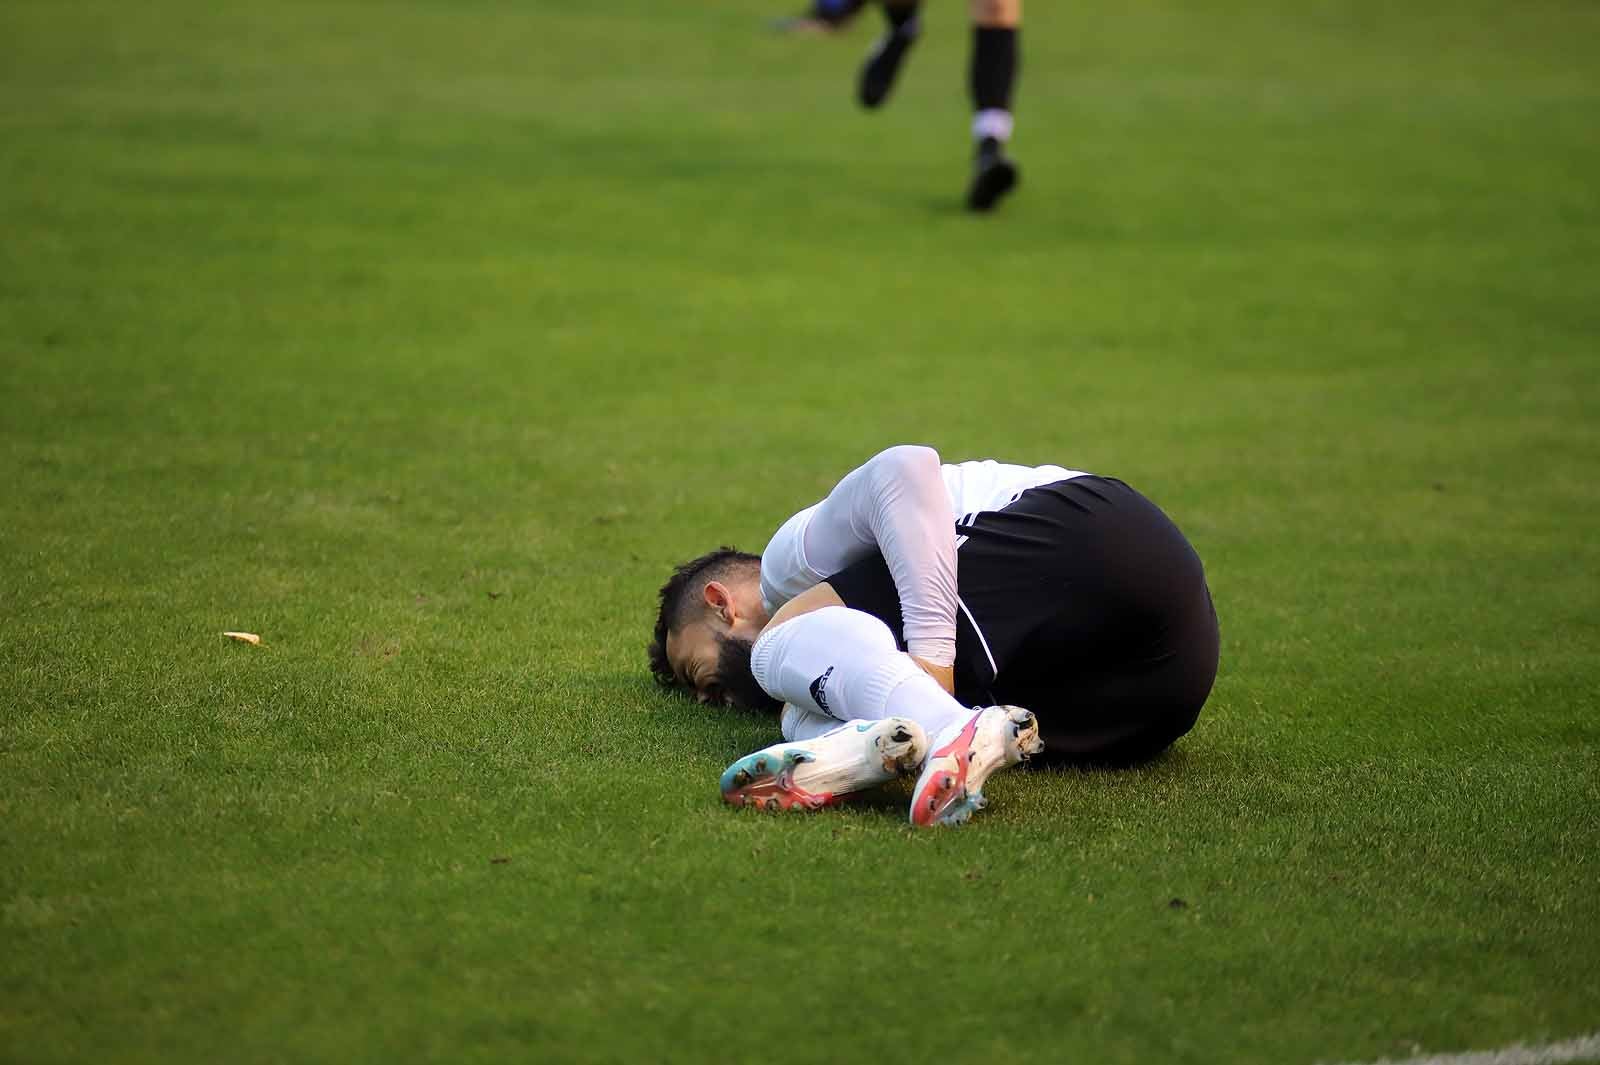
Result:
[501,860]
[495,595]
[244,637]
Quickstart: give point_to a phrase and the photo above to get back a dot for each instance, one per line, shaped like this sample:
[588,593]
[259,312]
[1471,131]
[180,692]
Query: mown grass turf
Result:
[422,338]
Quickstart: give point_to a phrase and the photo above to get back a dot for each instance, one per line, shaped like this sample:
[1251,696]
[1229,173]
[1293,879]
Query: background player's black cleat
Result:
[993,175]
[882,66]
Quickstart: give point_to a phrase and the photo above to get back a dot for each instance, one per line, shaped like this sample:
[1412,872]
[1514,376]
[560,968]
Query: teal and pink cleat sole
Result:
[765,780]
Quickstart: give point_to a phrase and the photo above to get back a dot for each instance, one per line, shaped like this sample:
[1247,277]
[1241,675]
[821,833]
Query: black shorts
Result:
[1081,601]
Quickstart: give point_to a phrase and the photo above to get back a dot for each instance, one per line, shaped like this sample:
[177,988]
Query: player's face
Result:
[692,652]
[738,681]
[715,666]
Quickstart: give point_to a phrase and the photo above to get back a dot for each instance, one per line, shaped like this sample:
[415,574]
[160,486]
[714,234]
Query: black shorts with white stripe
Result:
[1083,602]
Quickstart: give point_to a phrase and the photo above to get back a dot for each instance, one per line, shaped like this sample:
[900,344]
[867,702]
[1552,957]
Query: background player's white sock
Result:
[992,124]
[843,663]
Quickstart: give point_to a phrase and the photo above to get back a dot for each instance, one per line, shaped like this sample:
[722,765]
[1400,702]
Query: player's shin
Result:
[882,65]
[844,663]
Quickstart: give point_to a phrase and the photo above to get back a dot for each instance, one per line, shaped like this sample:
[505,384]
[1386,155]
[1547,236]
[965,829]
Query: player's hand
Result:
[945,675]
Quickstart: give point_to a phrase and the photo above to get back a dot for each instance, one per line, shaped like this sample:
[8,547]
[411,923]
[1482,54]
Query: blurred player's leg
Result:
[883,62]
[996,24]
[824,16]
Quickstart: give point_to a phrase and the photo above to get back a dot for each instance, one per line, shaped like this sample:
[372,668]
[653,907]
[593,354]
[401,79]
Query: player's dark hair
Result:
[681,595]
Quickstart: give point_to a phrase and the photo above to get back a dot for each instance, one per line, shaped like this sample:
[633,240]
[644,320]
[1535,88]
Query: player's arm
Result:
[814,598]
[896,504]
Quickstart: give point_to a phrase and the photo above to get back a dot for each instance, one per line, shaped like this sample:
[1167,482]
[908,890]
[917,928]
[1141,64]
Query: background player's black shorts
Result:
[1081,601]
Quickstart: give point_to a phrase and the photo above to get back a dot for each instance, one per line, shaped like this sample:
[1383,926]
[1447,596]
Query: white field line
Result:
[1583,1048]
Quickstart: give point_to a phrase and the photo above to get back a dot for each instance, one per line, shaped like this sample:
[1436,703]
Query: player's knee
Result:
[856,628]
[1000,13]
[787,658]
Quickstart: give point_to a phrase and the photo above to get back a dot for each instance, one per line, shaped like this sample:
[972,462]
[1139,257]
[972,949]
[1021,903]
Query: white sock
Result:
[800,725]
[992,122]
[922,700]
[844,664]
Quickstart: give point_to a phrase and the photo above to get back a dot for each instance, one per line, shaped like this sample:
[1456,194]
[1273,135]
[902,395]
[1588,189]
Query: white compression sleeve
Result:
[897,503]
[844,663]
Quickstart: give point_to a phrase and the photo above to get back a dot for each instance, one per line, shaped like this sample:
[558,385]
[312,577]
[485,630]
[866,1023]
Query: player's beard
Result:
[736,677]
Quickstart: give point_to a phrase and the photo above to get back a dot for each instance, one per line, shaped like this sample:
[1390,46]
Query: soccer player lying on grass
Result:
[1075,597]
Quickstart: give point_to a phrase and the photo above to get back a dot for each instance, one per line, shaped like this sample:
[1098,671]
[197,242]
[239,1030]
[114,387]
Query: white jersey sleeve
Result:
[785,572]
[905,505]
[897,504]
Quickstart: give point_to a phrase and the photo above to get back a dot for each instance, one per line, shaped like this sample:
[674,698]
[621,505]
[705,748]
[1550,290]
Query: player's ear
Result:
[720,600]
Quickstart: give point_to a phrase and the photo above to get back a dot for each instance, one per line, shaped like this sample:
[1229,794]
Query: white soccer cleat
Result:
[811,774]
[965,754]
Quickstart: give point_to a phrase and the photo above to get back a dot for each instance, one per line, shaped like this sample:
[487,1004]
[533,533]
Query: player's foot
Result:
[993,175]
[964,755]
[824,16]
[883,65]
[811,774]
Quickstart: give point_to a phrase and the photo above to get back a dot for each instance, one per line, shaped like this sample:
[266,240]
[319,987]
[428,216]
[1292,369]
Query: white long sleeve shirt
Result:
[903,503]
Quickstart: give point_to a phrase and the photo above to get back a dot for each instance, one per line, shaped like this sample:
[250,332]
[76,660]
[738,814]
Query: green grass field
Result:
[423,338]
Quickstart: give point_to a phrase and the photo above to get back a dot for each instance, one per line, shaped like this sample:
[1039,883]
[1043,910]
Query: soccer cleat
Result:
[882,66]
[993,175]
[950,789]
[814,773]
